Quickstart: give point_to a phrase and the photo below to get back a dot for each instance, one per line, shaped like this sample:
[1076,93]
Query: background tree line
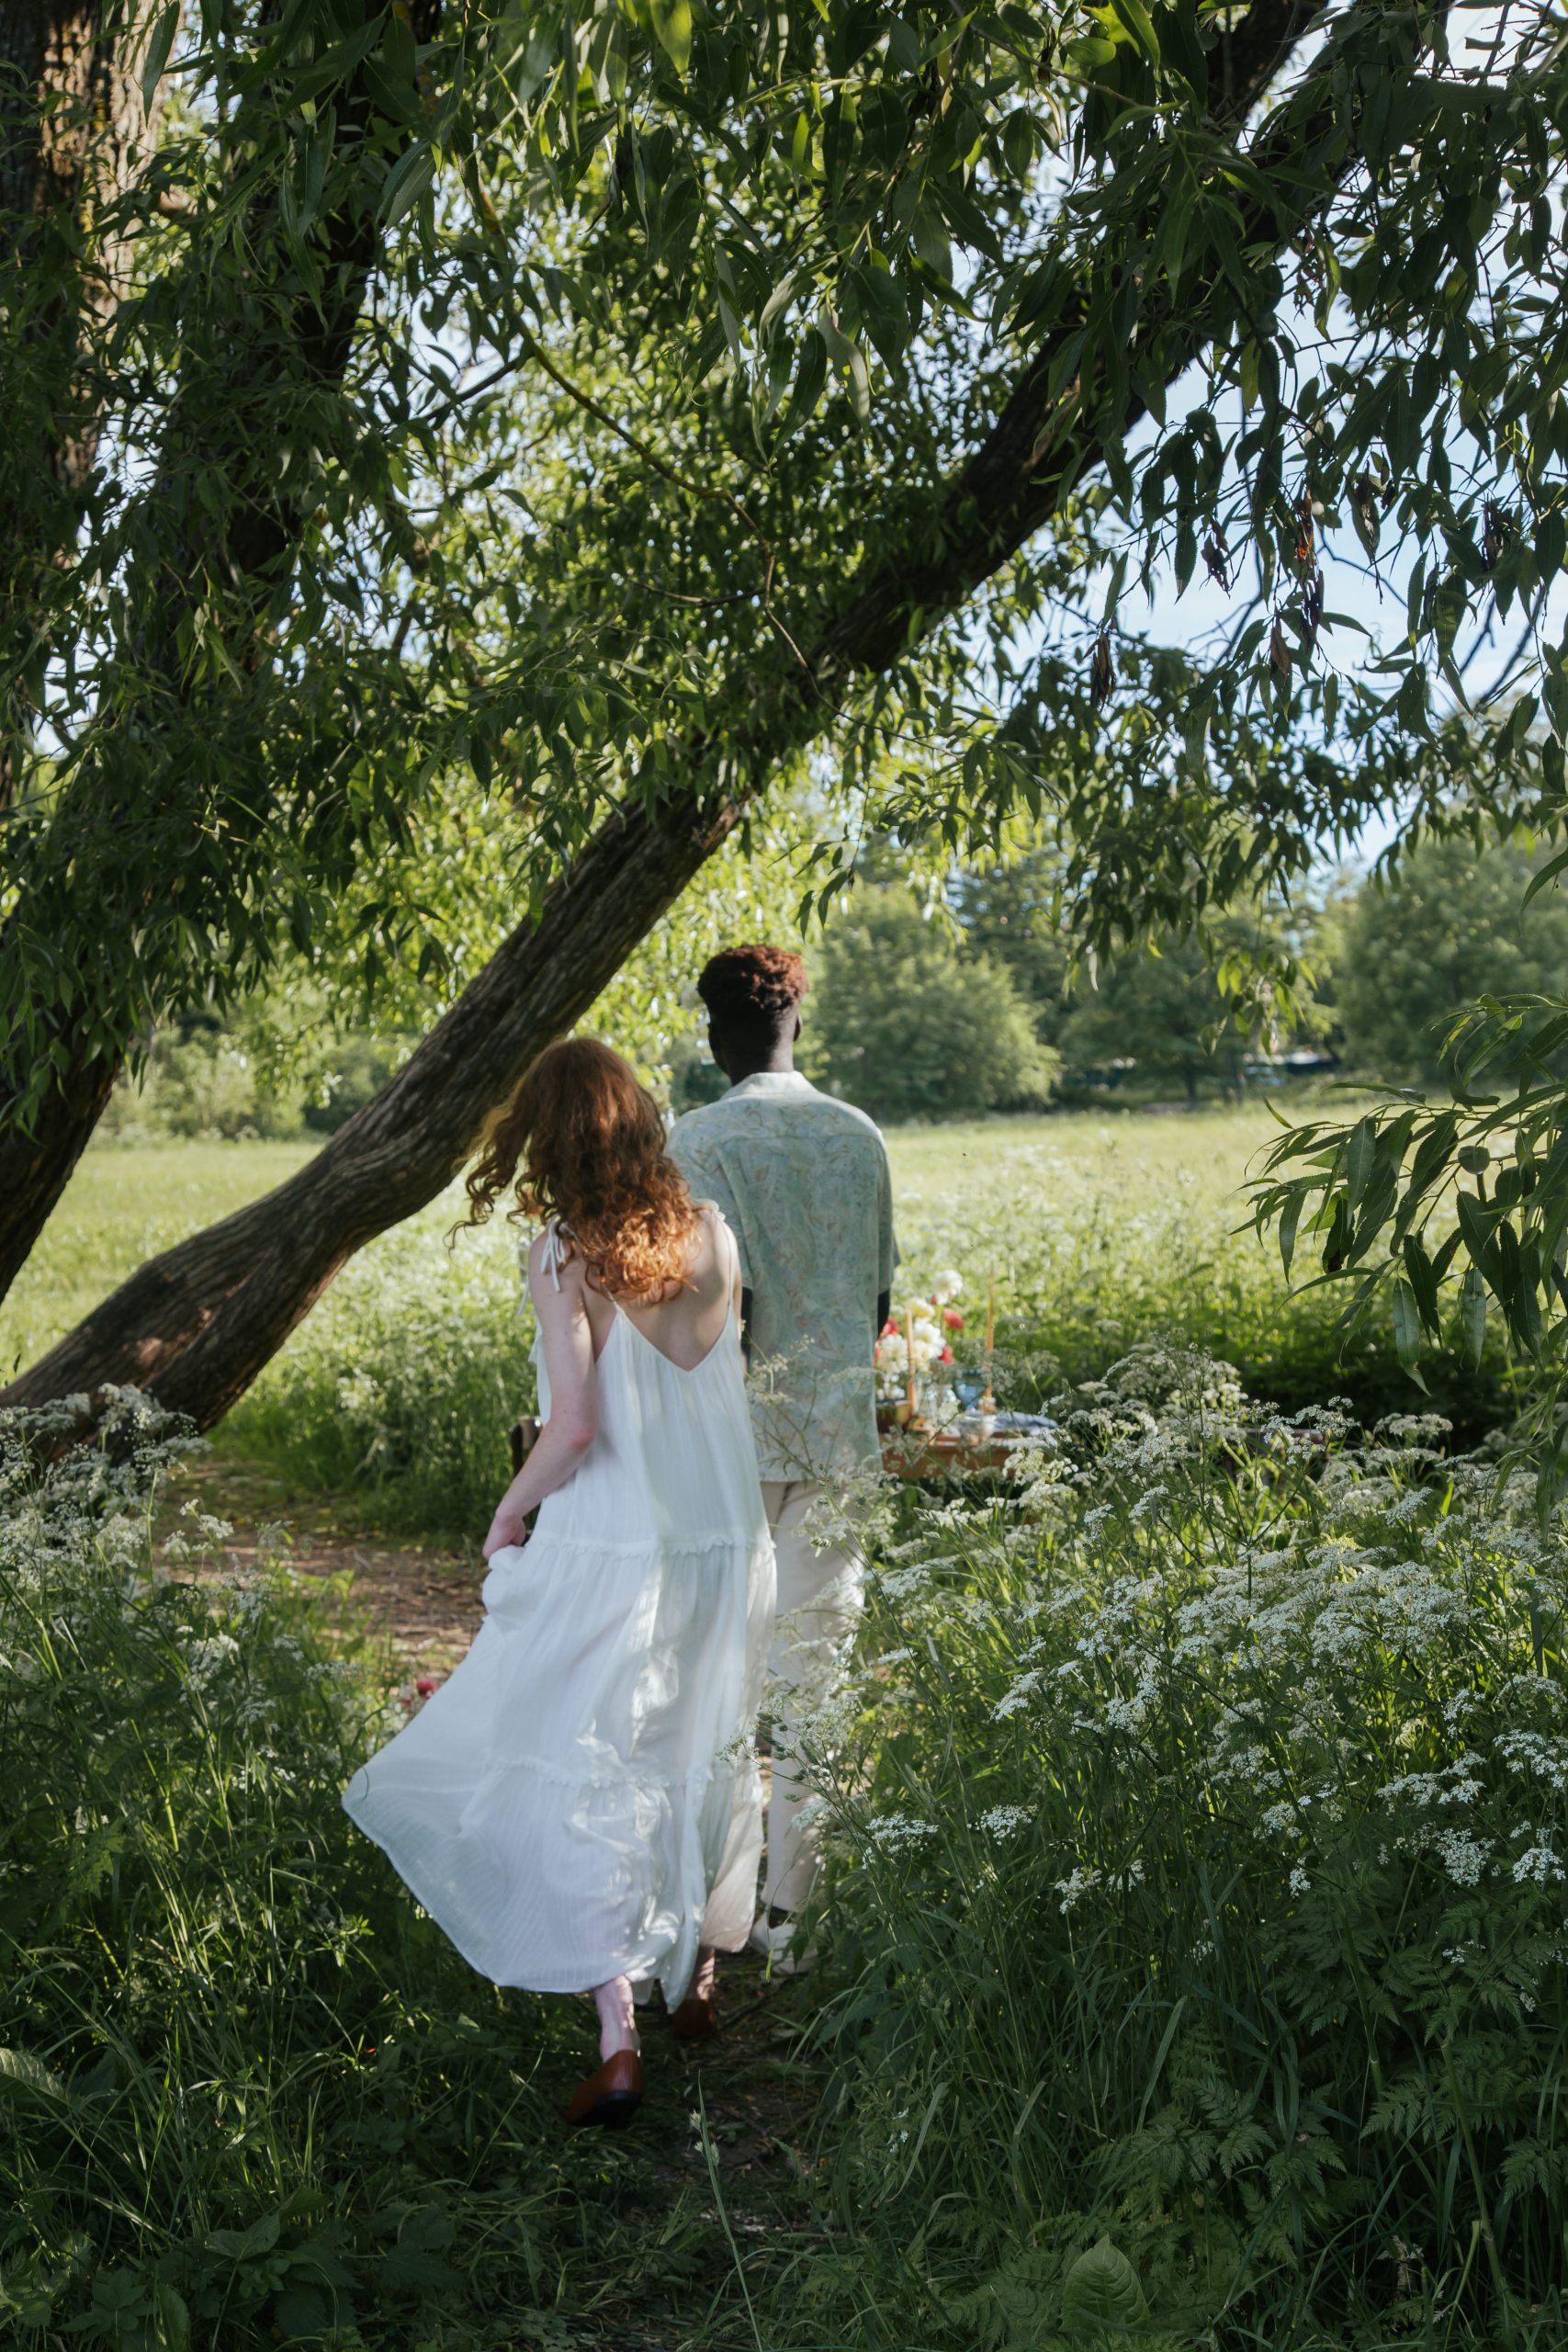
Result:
[962,1000]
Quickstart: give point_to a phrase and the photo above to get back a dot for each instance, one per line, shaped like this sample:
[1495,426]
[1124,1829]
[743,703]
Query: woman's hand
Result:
[509,1526]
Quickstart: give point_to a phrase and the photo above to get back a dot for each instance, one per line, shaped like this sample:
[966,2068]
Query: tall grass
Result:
[1203,1830]
[404,1383]
[1100,1235]
[247,2092]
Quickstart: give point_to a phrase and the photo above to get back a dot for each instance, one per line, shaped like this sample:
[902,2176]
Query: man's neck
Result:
[780,1063]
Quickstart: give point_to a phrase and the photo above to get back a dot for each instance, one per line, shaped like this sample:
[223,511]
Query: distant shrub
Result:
[901,1023]
[203,1085]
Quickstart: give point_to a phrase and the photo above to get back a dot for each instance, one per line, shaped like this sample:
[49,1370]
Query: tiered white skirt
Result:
[580,1799]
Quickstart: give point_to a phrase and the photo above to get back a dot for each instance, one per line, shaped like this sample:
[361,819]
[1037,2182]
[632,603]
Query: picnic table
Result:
[938,1454]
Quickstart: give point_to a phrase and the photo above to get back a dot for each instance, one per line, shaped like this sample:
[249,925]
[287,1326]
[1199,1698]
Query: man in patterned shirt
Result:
[804,1181]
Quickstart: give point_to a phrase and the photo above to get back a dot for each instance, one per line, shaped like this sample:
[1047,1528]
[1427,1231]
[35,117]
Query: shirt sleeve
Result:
[886,1246]
[702,1167]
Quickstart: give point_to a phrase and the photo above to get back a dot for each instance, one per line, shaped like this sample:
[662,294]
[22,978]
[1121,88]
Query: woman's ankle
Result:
[617,2017]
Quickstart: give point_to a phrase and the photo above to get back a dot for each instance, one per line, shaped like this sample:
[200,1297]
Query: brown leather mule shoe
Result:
[612,2095]
[695,2019]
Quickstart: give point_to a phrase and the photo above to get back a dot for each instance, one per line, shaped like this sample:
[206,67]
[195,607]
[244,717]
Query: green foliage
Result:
[684,332]
[248,2093]
[402,1390]
[902,1024]
[1449,926]
[1197,1920]
[1014,912]
[1162,1010]
[201,1084]
[1433,1213]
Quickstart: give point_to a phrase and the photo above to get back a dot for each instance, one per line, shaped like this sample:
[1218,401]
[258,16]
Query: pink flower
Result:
[426,1684]
[952,1317]
[946,1356]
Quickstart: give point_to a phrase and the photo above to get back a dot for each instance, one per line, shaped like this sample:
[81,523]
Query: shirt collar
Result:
[772,1081]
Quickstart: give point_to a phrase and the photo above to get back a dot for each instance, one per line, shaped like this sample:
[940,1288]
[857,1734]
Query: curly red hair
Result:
[582,1142]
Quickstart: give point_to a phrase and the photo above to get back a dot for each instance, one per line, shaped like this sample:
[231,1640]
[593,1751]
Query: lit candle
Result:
[909,1345]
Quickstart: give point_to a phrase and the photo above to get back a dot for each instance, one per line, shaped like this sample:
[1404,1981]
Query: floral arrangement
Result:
[917,1335]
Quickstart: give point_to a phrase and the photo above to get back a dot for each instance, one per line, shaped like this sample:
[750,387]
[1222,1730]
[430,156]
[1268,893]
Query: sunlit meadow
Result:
[1098,1232]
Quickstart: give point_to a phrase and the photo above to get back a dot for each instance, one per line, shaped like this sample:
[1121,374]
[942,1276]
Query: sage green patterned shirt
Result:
[803,1183]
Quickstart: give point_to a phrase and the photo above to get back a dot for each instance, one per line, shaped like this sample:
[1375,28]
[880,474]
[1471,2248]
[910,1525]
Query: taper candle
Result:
[909,1345]
[991,1315]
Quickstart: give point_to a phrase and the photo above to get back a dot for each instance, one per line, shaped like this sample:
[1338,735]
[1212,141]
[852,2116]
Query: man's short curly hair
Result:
[751,987]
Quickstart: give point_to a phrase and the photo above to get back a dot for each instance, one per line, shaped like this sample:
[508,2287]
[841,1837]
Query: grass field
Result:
[1101,1231]
[1192,1974]
[126,1201]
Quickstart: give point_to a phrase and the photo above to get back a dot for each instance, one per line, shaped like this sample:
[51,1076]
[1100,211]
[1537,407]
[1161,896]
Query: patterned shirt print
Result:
[803,1183]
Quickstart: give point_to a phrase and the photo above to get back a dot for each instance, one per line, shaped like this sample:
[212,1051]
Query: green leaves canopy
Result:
[524,403]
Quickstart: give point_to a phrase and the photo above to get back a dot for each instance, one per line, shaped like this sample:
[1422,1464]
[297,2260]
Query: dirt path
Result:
[674,2249]
[424,1603]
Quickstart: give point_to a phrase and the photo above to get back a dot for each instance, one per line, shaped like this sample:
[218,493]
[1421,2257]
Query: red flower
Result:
[947,1356]
[952,1317]
[426,1684]
[890,1328]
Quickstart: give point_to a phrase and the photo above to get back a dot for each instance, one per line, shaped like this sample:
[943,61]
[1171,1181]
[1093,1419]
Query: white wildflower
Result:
[1072,1890]
[896,1831]
[1540,1865]
[1006,1820]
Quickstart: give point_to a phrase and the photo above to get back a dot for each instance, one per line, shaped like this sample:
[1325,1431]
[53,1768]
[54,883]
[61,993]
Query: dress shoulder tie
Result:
[554,1254]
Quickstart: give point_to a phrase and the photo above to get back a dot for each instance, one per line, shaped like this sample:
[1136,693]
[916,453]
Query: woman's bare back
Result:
[691,1320]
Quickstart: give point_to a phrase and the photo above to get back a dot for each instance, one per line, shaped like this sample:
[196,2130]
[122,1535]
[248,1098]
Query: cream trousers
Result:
[819,1600]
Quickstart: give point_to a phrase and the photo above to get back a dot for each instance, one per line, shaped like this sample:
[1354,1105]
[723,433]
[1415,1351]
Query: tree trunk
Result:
[73,129]
[195,1324]
[245,537]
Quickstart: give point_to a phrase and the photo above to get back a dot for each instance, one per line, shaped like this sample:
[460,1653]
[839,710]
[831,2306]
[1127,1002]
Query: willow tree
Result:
[858,340]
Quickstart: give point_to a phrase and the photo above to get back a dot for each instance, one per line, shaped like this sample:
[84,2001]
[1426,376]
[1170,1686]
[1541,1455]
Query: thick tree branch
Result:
[195,1324]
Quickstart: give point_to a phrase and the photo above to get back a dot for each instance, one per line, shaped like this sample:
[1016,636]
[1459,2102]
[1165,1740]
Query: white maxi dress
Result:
[580,1799]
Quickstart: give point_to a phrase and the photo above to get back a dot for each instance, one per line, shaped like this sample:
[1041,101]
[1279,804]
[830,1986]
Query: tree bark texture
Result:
[74,131]
[195,1326]
[247,539]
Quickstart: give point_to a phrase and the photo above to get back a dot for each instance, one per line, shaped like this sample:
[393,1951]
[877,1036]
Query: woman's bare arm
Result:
[573,1423]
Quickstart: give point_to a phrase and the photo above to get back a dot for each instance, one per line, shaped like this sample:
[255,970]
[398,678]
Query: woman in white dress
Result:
[579,1806]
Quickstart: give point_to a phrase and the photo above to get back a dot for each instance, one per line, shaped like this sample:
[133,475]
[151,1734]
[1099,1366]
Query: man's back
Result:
[803,1183]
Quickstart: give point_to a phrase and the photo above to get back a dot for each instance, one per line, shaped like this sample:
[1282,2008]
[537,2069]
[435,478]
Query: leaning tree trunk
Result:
[75,129]
[998,498]
[195,1326]
[246,537]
